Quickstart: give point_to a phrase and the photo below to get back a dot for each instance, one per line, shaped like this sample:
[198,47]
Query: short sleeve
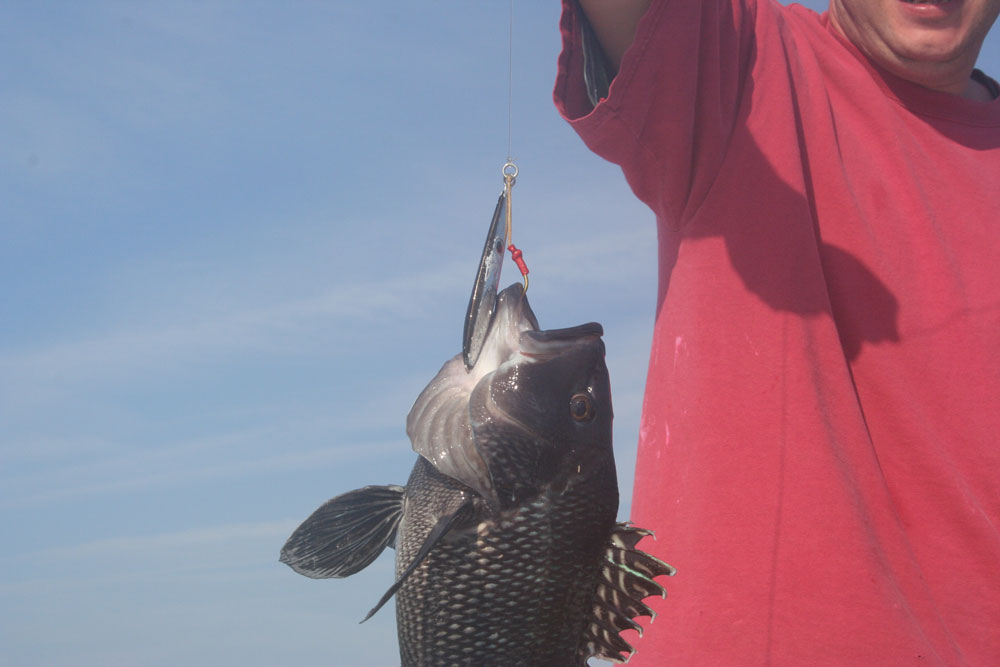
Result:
[675,101]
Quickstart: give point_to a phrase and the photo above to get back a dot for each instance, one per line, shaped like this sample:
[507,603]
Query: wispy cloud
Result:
[225,331]
[170,543]
[137,349]
[231,455]
[241,549]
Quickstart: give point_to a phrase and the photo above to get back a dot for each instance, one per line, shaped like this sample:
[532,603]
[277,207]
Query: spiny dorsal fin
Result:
[442,526]
[626,578]
[346,533]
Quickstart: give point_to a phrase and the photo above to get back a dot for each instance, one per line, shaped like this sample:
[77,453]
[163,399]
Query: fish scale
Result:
[532,569]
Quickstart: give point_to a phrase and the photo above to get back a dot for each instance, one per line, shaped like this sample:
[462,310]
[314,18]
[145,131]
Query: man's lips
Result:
[930,9]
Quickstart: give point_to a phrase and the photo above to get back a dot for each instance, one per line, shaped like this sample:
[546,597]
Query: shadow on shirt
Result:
[774,244]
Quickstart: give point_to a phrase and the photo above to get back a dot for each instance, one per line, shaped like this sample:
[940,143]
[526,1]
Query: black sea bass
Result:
[507,550]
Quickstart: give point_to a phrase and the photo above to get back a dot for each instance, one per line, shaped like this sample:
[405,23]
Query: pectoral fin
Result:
[439,530]
[346,533]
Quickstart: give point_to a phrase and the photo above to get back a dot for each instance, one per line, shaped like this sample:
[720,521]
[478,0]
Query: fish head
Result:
[543,417]
[534,411]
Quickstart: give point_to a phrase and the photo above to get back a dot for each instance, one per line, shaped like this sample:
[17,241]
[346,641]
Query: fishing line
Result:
[510,75]
[509,169]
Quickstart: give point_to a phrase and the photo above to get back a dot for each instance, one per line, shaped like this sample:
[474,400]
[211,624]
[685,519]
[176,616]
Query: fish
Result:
[508,551]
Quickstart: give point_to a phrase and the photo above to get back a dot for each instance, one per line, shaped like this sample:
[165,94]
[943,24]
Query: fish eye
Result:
[581,408]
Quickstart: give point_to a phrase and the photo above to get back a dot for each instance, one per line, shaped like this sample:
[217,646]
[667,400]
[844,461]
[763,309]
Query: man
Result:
[820,444]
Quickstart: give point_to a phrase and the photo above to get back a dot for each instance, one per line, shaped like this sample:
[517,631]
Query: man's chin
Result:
[930,47]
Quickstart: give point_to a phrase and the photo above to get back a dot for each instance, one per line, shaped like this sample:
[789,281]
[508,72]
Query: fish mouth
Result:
[514,334]
[540,345]
[588,330]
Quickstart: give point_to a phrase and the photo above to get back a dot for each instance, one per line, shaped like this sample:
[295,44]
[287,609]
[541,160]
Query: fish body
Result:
[507,549]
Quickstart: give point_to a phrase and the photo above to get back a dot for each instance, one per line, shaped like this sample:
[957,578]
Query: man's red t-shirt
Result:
[820,443]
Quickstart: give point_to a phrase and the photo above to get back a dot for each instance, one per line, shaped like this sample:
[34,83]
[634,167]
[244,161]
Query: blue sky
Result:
[236,241]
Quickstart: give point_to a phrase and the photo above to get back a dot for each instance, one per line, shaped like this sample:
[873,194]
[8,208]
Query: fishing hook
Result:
[509,172]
